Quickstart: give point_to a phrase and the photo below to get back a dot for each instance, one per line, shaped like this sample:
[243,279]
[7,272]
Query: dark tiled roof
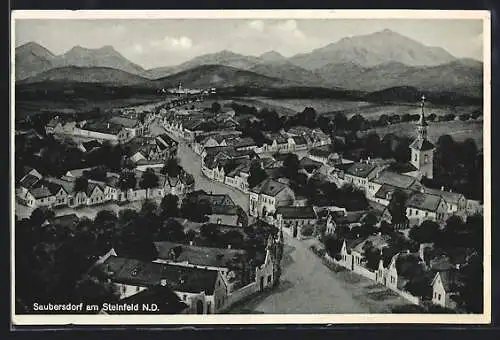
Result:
[360,169]
[422,145]
[308,162]
[394,179]
[423,201]
[91,145]
[299,140]
[296,212]
[41,192]
[28,181]
[149,274]
[124,121]
[448,196]
[68,221]
[200,256]
[103,127]
[224,210]
[402,167]
[320,151]
[269,187]
[167,301]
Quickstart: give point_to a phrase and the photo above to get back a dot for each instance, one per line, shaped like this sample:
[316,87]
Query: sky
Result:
[163,42]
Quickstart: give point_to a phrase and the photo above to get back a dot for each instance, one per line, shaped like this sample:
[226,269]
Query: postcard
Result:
[250,167]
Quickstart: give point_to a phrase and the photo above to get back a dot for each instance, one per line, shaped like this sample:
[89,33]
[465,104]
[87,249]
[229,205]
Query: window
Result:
[439,297]
[426,214]
[426,159]
[409,212]
[184,297]
[137,289]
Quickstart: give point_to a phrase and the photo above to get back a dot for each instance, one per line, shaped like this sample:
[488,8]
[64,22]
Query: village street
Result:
[307,286]
[191,162]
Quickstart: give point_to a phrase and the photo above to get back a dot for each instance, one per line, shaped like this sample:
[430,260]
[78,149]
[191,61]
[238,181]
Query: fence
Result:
[411,298]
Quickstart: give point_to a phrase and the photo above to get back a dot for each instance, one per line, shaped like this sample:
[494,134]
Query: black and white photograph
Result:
[208,167]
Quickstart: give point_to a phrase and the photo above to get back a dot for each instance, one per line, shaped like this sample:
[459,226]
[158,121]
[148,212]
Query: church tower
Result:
[422,150]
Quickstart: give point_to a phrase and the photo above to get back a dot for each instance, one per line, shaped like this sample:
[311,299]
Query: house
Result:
[349,219]
[309,166]
[422,206]
[68,221]
[95,193]
[203,290]
[231,263]
[44,194]
[402,268]
[165,299]
[27,182]
[352,251]
[456,203]
[103,130]
[358,174]
[237,175]
[133,126]
[267,196]
[445,286]
[295,218]
[89,146]
[391,180]
[320,154]
[224,214]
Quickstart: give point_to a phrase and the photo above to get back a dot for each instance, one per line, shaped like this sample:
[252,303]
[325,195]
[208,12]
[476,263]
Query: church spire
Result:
[422,123]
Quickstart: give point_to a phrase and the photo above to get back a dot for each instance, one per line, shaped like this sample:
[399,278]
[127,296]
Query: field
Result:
[25,108]
[349,108]
[457,129]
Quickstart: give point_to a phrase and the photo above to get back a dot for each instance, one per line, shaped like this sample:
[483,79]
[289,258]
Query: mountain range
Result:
[370,62]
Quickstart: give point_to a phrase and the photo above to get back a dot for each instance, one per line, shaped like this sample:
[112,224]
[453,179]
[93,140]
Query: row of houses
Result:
[117,129]
[205,279]
[35,191]
[439,273]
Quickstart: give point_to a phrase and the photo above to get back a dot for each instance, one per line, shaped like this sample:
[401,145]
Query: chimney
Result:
[228,246]
[442,188]
[163,282]
[108,125]
[190,243]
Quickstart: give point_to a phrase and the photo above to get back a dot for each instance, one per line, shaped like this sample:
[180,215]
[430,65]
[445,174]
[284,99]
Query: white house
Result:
[268,195]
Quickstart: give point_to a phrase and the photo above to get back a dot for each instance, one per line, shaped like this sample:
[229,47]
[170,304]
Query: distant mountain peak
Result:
[272,56]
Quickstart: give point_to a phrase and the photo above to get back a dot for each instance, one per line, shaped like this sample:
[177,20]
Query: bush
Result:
[307,230]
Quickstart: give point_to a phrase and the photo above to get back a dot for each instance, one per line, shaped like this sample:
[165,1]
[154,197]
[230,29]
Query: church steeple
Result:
[422,123]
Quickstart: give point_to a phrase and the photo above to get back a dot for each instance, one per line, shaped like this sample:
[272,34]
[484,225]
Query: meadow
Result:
[350,108]
[457,129]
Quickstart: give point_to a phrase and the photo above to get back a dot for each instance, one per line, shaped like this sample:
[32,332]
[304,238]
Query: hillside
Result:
[220,76]
[75,74]
[288,71]
[105,56]
[463,77]
[30,59]
[374,49]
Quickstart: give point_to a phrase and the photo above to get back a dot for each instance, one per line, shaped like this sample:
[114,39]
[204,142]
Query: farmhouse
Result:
[203,290]
[296,218]
[421,206]
[269,195]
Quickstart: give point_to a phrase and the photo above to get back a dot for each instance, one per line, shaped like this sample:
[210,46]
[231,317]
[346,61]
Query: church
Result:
[422,150]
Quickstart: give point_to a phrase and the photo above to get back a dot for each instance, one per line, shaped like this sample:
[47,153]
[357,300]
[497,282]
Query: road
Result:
[307,286]
[191,162]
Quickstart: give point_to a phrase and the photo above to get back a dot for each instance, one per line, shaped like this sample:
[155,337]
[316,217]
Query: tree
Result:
[92,290]
[196,211]
[216,107]
[40,215]
[291,165]
[171,168]
[426,232]
[169,206]
[371,255]
[171,230]
[373,144]
[472,288]
[386,228]
[127,180]
[81,184]
[397,207]
[257,174]
[149,180]
[402,151]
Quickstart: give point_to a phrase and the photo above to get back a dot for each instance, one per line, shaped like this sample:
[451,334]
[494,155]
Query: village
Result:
[208,197]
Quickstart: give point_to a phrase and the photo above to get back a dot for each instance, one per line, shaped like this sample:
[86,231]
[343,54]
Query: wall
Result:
[242,293]
[365,272]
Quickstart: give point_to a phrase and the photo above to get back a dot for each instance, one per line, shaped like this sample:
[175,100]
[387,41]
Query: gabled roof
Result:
[306,212]
[124,121]
[269,187]
[93,144]
[41,192]
[299,140]
[422,145]
[378,242]
[167,301]
[68,221]
[450,279]
[360,169]
[321,151]
[448,196]
[201,256]
[424,201]
[28,181]
[149,274]
[394,179]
